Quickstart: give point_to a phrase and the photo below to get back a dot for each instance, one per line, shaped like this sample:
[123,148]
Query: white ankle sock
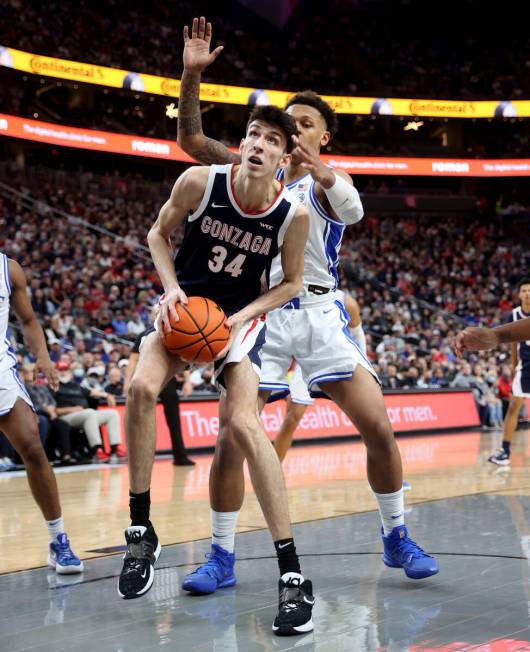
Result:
[55,528]
[391,509]
[224,529]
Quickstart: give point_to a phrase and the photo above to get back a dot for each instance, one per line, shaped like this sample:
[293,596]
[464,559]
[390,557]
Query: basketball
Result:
[201,332]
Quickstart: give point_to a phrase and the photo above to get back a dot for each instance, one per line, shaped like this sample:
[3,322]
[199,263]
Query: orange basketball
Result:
[201,332]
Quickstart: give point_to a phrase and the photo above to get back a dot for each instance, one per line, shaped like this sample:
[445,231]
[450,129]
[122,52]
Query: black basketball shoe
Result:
[296,606]
[138,572]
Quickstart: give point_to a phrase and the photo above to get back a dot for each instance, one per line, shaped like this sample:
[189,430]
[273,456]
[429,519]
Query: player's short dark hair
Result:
[523,281]
[277,117]
[310,98]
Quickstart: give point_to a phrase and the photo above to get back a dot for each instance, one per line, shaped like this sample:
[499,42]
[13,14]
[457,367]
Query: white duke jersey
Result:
[321,256]
[7,355]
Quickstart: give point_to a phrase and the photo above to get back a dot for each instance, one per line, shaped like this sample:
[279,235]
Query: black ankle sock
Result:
[506,447]
[287,557]
[94,449]
[139,507]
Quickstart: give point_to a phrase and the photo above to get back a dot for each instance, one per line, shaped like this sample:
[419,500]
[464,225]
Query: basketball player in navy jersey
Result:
[521,376]
[238,218]
[17,414]
[312,328]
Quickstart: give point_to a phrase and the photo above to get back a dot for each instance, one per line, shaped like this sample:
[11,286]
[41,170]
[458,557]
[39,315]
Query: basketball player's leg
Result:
[296,594]
[154,368]
[244,423]
[227,482]
[20,427]
[502,457]
[362,400]
[293,415]
[296,405]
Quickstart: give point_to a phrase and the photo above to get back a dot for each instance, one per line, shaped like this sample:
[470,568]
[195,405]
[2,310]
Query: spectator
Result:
[391,379]
[58,430]
[135,326]
[73,406]
[115,384]
[504,387]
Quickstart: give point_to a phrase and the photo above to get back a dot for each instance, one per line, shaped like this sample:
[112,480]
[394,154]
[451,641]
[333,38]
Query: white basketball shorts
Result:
[11,389]
[318,339]
[248,342]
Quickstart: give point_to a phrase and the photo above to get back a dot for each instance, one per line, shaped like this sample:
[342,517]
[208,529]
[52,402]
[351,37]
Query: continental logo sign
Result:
[56,67]
[221,93]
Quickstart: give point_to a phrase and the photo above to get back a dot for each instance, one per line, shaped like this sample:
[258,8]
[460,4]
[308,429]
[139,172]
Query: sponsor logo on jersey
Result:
[245,240]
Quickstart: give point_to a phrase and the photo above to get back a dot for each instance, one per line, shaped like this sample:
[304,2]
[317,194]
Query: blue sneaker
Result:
[216,573]
[402,552]
[61,557]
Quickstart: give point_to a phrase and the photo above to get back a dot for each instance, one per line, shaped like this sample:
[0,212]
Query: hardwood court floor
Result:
[323,481]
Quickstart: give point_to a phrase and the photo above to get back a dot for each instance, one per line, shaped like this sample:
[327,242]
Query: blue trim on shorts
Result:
[345,318]
[277,396]
[6,272]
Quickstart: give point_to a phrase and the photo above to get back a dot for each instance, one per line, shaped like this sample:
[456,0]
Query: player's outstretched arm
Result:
[185,197]
[482,339]
[197,57]
[32,330]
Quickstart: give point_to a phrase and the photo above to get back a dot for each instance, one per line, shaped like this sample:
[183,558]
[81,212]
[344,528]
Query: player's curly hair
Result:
[310,98]
[273,115]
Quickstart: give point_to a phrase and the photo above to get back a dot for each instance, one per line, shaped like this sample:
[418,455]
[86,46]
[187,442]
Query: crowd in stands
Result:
[417,279]
[352,47]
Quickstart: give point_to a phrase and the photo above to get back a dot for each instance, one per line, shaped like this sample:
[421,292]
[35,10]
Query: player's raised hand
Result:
[197,56]
[309,159]
[476,339]
[167,309]
[47,367]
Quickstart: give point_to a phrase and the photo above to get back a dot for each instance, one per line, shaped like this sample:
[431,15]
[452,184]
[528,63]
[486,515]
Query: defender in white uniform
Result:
[17,418]
[311,328]
[298,397]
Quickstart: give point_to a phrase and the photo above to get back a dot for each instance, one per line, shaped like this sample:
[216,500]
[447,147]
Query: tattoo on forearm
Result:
[213,151]
[190,125]
[189,120]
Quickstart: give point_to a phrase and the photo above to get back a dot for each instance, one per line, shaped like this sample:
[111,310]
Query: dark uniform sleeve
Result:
[138,340]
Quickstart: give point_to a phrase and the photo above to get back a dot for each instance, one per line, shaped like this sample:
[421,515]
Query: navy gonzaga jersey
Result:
[226,252]
[523,348]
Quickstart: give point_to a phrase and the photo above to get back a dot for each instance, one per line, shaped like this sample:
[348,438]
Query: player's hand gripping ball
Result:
[200,333]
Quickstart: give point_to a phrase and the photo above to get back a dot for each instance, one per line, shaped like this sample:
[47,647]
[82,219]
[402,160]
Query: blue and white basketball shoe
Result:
[61,557]
[216,573]
[402,552]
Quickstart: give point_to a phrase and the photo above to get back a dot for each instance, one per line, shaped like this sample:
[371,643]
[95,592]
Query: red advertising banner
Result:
[407,412]
[104,141]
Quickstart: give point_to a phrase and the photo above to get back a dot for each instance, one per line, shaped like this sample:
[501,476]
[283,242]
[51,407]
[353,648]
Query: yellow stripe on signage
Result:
[224,94]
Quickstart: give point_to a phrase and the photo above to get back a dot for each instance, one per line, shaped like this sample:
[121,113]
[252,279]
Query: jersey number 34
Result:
[217,263]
